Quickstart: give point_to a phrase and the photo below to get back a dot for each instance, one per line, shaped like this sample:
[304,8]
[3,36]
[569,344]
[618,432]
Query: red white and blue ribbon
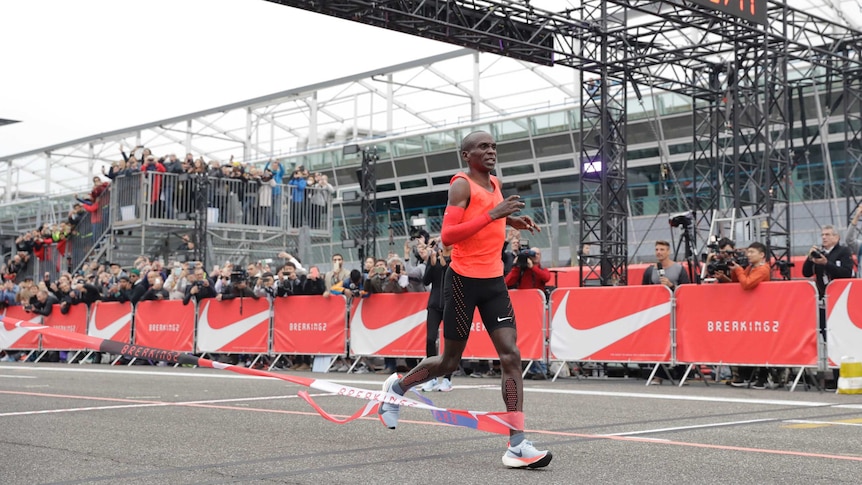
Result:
[492,422]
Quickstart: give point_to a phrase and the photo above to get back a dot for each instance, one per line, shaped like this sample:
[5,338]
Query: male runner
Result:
[475,224]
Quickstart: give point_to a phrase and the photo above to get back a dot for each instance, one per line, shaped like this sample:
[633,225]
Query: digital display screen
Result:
[752,10]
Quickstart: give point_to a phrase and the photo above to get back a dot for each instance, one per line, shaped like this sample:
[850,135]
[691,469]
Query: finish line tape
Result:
[491,422]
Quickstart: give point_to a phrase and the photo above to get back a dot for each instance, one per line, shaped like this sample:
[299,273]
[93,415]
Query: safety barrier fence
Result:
[774,325]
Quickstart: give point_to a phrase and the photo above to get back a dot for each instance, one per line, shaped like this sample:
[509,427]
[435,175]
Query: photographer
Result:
[527,271]
[290,281]
[831,261]
[237,287]
[438,263]
[199,287]
[266,287]
[43,305]
[717,261]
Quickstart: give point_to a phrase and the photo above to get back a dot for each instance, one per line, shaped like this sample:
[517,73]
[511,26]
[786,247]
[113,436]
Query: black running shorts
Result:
[462,295]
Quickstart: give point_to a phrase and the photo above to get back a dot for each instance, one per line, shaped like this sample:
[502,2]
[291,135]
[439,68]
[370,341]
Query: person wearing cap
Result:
[139,285]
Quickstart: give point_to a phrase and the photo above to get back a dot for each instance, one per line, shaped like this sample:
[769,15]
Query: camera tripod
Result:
[686,240]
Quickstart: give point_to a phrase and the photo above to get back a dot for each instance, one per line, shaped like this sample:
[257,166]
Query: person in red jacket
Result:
[527,272]
[748,278]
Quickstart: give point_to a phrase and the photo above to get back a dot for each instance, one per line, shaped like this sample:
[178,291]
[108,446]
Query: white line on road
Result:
[807,421]
[694,426]
[18,377]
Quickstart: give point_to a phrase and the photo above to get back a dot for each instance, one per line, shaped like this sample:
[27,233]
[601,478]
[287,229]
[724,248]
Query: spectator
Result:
[156,200]
[297,185]
[527,272]
[44,303]
[177,280]
[415,250]
[852,236]
[156,290]
[199,287]
[291,281]
[438,262]
[264,214]
[338,273]
[322,195]
[749,277]
[389,277]
[314,283]
[830,262]
[139,285]
[120,291]
[266,287]
[277,170]
[8,294]
[81,292]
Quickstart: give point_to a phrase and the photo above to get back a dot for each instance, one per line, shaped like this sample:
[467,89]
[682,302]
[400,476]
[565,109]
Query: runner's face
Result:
[482,154]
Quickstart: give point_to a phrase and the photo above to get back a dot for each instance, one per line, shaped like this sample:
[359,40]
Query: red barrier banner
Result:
[529,307]
[389,325]
[240,325]
[774,324]
[843,320]
[611,324]
[19,338]
[168,325]
[309,325]
[74,321]
[111,320]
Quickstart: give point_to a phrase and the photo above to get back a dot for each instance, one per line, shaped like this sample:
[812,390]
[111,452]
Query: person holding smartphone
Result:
[336,275]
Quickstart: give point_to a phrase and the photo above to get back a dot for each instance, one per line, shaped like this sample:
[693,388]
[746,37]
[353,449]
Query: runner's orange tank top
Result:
[479,256]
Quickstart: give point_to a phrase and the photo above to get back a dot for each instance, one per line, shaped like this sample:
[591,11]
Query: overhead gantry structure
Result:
[738,62]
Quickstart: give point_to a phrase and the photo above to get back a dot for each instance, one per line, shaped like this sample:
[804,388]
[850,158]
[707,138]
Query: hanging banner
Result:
[165,324]
[12,338]
[611,324]
[844,320]
[239,325]
[529,307]
[389,325]
[111,320]
[774,324]
[309,325]
[75,321]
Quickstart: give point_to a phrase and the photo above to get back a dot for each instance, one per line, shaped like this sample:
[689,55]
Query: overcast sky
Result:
[76,68]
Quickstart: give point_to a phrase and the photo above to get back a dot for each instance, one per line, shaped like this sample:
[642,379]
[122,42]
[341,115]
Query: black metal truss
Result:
[199,236]
[603,191]
[852,108]
[368,184]
[734,71]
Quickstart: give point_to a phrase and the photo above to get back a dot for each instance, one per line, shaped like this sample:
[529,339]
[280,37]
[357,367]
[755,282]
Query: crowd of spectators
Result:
[237,192]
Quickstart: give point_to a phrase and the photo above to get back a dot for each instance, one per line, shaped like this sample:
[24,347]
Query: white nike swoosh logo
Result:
[842,336]
[213,339]
[364,341]
[109,331]
[8,337]
[570,343]
[503,319]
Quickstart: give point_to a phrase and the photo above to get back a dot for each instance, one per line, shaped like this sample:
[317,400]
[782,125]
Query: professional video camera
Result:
[723,265]
[238,276]
[683,219]
[524,253]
